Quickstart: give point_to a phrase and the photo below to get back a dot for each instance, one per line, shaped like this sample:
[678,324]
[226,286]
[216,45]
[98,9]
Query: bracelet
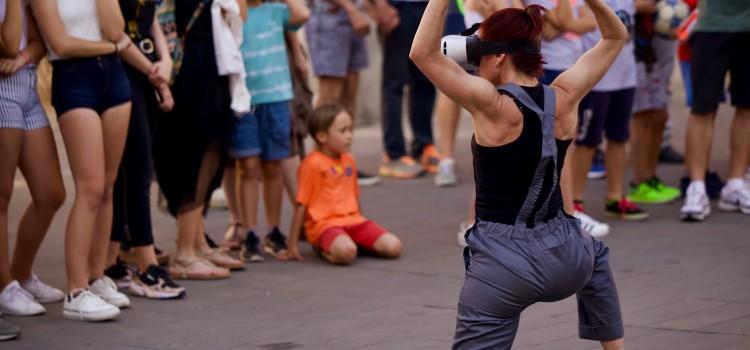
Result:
[25,56]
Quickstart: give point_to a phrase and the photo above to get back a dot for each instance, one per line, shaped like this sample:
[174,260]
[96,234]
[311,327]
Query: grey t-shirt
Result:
[621,74]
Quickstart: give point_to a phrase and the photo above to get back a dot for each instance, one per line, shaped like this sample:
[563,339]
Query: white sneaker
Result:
[697,206]
[461,234]
[592,226]
[106,289]
[14,300]
[87,306]
[42,292]
[734,198]
[446,175]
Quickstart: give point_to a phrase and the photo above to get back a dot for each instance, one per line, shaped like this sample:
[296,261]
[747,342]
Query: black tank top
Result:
[504,174]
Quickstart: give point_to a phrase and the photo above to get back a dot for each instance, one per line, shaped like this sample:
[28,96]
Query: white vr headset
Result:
[467,49]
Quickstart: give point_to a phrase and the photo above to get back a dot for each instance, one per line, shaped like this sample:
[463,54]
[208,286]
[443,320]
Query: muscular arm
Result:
[51,27]
[10,29]
[575,82]
[467,90]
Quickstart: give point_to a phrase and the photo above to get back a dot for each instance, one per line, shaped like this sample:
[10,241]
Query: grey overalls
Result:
[510,267]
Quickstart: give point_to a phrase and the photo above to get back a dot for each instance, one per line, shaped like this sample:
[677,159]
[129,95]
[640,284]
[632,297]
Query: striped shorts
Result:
[20,107]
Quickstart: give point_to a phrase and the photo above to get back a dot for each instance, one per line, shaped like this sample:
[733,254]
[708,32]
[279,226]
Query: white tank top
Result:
[24,23]
[80,20]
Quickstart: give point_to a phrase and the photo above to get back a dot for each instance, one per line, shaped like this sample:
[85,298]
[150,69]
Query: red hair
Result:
[517,24]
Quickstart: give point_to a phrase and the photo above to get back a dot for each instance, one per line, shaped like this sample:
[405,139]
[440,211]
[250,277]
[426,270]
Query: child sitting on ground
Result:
[328,197]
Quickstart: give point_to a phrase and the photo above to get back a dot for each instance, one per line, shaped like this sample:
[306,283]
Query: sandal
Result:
[196,268]
[232,238]
[221,259]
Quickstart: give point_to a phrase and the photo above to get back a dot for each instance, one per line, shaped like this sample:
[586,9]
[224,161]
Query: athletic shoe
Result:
[652,191]
[402,168]
[8,331]
[713,182]
[430,159]
[446,174]
[42,292]
[597,171]
[155,283]
[461,234]
[669,155]
[735,198]
[86,306]
[591,226]
[16,301]
[624,209]
[274,242]
[251,248]
[120,274]
[365,179]
[106,289]
[697,206]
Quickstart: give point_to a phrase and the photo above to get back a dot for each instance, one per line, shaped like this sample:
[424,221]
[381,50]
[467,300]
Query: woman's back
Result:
[503,174]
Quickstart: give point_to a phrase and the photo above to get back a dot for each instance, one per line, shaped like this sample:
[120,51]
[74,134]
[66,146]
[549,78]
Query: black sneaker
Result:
[250,251]
[156,284]
[274,242]
[624,209]
[120,273]
[669,155]
[365,179]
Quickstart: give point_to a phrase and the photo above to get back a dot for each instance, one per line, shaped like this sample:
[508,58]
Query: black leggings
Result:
[131,223]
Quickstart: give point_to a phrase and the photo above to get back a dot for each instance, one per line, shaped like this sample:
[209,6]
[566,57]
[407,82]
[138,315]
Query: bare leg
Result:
[615,161]
[273,190]
[640,144]
[658,124]
[387,246]
[289,172]
[11,143]
[146,256]
[698,137]
[330,90]
[349,94]
[115,123]
[581,162]
[739,143]
[343,251]
[618,344]
[84,142]
[229,184]
[41,169]
[247,184]
[448,115]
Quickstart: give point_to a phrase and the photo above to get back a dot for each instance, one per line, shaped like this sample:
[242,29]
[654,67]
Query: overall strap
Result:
[546,116]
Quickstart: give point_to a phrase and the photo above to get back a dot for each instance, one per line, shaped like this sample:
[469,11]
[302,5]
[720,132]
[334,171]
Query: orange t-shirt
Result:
[328,188]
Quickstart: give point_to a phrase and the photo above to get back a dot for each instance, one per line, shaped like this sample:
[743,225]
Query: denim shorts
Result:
[335,49]
[263,132]
[97,83]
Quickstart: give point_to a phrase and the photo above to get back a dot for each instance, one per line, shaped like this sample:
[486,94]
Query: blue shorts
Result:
[605,111]
[263,132]
[97,83]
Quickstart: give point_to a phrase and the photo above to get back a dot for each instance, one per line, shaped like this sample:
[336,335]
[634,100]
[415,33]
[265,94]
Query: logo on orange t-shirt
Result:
[339,170]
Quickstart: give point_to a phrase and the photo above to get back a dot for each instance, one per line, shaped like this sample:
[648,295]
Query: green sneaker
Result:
[653,191]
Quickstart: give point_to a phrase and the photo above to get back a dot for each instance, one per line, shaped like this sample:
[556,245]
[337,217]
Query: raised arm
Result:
[110,19]
[53,30]
[465,89]
[577,81]
[584,23]
[298,12]
[10,29]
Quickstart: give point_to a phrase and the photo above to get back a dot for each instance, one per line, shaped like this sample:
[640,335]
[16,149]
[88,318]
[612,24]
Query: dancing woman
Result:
[523,248]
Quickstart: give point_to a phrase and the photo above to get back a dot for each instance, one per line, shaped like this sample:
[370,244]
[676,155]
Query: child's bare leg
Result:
[342,251]
[273,191]
[387,246]
[289,172]
[618,344]
[248,175]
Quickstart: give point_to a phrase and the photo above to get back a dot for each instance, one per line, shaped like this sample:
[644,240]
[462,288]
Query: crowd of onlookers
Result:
[202,94]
